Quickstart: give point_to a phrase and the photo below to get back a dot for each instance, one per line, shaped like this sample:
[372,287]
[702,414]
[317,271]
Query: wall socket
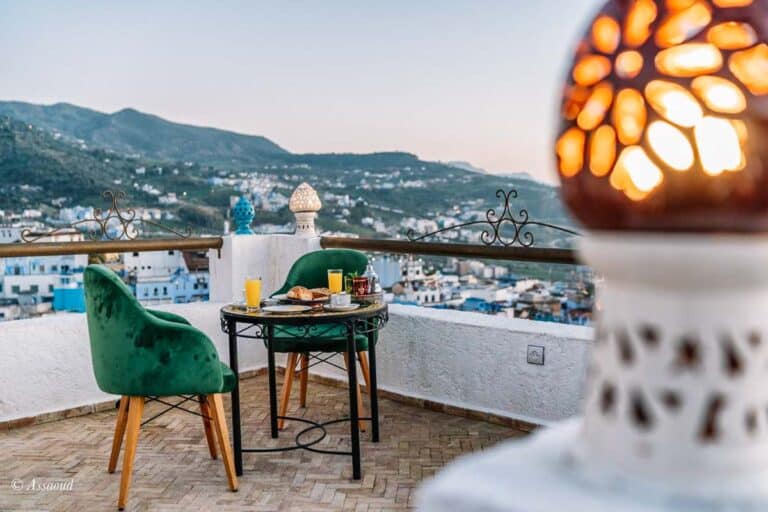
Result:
[535,354]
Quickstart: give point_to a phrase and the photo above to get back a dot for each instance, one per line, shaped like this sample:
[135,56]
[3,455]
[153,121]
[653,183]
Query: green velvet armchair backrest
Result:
[311,270]
[137,352]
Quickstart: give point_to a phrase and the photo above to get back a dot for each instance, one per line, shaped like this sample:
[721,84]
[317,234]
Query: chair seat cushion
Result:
[315,338]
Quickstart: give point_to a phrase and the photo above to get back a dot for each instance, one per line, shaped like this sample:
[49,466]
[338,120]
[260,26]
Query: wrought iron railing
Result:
[104,247]
[495,223]
[530,254]
[516,245]
[117,229]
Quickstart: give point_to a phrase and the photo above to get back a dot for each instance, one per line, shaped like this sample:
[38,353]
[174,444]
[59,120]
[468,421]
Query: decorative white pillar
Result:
[677,398]
[676,408]
[267,256]
[305,204]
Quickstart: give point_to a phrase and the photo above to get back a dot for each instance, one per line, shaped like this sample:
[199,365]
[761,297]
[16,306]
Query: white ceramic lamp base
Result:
[676,409]
[305,224]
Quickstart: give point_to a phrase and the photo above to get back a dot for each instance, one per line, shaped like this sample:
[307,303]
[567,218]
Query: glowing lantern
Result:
[673,102]
[719,94]
[751,67]
[629,64]
[670,181]
[732,35]
[596,107]
[606,34]
[637,22]
[670,145]
[664,114]
[602,150]
[629,116]
[688,60]
[591,69]
[570,150]
[682,25]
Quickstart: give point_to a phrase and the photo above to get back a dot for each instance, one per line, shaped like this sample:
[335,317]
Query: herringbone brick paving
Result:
[173,471]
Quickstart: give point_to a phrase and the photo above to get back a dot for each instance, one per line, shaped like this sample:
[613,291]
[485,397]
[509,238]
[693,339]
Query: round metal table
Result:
[260,325]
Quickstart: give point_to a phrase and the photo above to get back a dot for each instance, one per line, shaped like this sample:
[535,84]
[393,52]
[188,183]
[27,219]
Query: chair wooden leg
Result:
[366,370]
[303,376]
[285,392]
[216,406]
[117,441]
[208,426]
[135,410]
[359,394]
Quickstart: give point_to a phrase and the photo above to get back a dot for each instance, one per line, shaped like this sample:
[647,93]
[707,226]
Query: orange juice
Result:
[253,293]
[335,280]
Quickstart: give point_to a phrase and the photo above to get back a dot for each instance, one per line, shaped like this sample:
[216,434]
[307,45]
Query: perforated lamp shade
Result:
[665,117]
[304,199]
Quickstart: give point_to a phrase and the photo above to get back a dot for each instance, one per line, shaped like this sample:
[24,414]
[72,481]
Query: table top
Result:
[366,310]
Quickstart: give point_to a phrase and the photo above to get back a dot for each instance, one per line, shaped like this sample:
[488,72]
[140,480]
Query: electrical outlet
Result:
[535,354]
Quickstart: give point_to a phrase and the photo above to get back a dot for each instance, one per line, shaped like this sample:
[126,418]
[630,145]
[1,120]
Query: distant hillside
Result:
[466,166]
[32,157]
[38,169]
[42,161]
[132,132]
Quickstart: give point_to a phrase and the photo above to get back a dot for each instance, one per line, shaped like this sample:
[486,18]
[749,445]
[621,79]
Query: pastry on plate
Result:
[320,293]
[300,293]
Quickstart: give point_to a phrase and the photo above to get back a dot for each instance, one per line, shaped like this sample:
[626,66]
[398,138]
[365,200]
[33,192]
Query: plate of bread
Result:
[304,295]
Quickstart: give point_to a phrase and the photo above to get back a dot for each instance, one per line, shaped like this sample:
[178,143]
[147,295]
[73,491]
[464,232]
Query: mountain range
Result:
[67,152]
[131,132]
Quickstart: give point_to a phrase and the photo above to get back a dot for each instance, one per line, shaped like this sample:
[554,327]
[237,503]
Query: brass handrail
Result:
[109,246]
[532,254]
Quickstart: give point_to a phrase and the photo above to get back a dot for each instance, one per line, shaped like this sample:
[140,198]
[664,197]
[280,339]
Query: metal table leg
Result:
[353,412]
[236,434]
[272,380]
[374,391]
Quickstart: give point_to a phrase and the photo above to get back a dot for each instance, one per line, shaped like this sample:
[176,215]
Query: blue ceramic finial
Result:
[242,214]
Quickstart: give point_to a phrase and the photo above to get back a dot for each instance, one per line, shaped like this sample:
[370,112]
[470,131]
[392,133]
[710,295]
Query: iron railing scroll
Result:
[495,223]
[506,235]
[114,224]
[116,229]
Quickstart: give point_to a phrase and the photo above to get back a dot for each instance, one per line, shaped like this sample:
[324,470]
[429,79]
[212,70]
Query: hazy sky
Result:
[473,80]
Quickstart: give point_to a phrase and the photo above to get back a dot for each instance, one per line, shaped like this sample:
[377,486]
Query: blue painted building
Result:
[69,299]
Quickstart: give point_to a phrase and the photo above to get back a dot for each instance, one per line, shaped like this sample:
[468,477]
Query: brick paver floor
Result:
[174,472]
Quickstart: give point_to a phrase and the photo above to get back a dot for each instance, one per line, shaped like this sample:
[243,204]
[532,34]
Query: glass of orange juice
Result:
[253,293]
[335,281]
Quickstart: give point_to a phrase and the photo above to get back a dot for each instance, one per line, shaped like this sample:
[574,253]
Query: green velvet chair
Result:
[311,271]
[142,354]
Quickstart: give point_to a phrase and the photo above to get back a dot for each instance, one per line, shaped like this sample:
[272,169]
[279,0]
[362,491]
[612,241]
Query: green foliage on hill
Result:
[147,136]
[34,167]
[65,151]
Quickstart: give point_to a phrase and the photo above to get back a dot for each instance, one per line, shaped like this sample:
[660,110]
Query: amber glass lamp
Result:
[665,117]
[663,155]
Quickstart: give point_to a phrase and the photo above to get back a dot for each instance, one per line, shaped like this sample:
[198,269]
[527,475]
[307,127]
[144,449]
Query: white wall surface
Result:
[478,362]
[464,359]
[267,256]
[45,363]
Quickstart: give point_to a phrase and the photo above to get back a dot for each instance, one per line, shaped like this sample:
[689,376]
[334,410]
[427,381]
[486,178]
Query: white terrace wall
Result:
[45,363]
[479,362]
[467,360]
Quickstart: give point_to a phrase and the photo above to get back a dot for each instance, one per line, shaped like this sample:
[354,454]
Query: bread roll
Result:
[299,293]
[320,293]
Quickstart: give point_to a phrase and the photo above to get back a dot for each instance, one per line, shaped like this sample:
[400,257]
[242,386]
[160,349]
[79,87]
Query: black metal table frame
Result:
[362,321]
